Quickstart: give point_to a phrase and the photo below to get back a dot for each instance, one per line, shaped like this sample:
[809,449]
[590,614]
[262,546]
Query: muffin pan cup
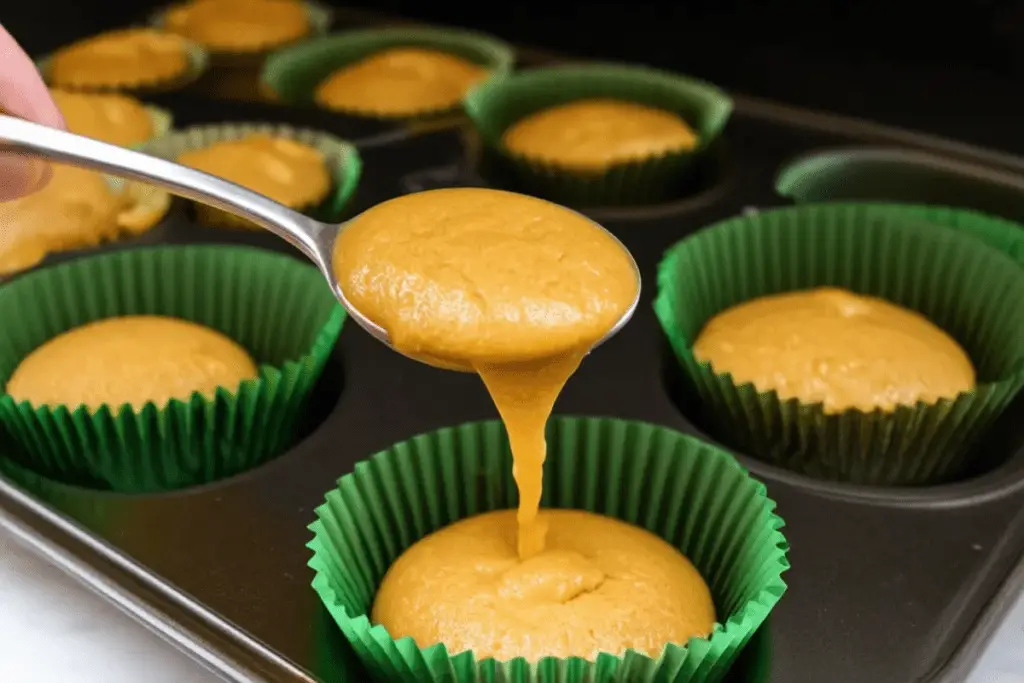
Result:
[292,75]
[689,493]
[320,18]
[277,308]
[496,105]
[970,290]
[342,160]
[198,63]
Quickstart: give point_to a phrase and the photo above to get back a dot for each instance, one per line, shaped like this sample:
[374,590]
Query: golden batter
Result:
[834,347]
[116,119]
[400,82]
[134,360]
[513,287]
[126,58]
[287,171]
[76,209]
[239,25]
[600,586]
[594,134]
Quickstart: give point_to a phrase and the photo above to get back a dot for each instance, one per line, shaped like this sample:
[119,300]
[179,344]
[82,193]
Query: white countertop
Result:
[54,630]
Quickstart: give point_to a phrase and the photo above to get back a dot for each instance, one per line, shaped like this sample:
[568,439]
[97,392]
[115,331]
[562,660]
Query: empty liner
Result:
[275,306]
[342,159]
[496,105]
[686,491]
[292,75]
[970,290]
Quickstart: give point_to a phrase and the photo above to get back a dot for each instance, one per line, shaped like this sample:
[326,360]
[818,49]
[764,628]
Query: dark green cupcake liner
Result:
[496,105]
[971,291]
[688,492]
[292,75]
[999,233]
[342,158]
[275,306]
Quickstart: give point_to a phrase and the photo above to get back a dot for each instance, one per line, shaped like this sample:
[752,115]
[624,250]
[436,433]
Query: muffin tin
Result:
[888,585]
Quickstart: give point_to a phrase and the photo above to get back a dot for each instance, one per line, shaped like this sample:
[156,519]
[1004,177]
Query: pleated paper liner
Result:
[970,290]
[999,233]
[342,159]
[275,306]
[291,76]
[496,105]
[688,492]
[163,121]
[198,63]
[319,15]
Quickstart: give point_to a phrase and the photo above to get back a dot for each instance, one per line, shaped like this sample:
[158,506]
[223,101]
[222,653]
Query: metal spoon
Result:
[313,238]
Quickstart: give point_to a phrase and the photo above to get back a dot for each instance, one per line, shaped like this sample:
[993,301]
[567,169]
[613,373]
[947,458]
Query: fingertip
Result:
[20,176]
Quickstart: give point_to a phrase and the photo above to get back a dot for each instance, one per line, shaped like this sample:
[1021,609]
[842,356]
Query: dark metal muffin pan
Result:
[887,585]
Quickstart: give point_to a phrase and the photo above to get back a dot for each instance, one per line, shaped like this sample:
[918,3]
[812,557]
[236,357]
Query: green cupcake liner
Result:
[688,492]
[292,75]
[275,306]
[899,175]
[198,63]
[971,291]
[342,159]
[496,105]
[320,17]
[999,233]
[163,122]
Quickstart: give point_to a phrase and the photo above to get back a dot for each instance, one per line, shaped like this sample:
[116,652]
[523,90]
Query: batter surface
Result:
[838,348]
[594,134]
[132,359]
[513,287]
[287,171]
[601,585]
[76,209]
[400,82]
[124,58]
[242,25]
[116,119]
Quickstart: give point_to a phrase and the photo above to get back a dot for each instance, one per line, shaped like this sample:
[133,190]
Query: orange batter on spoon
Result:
[513,287]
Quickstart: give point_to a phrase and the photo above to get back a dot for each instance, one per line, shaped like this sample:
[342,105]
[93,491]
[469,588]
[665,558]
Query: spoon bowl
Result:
[315,239]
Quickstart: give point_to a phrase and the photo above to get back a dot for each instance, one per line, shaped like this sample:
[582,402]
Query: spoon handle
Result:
[17,135]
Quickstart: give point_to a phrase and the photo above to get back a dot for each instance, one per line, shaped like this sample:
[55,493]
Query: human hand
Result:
[23,94]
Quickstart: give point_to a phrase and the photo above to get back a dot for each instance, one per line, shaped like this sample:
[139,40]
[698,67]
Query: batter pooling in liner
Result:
[837,348]
[518,290]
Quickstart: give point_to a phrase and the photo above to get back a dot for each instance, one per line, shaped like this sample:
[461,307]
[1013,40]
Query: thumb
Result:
[21,175]
[23,94]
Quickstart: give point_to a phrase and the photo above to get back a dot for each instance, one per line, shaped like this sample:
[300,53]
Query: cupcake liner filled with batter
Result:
[269,306]
[965,289]
[326,202]
[299,75]
[641,175]
[78,209]
[690,494]
[234,40]
[125,61]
